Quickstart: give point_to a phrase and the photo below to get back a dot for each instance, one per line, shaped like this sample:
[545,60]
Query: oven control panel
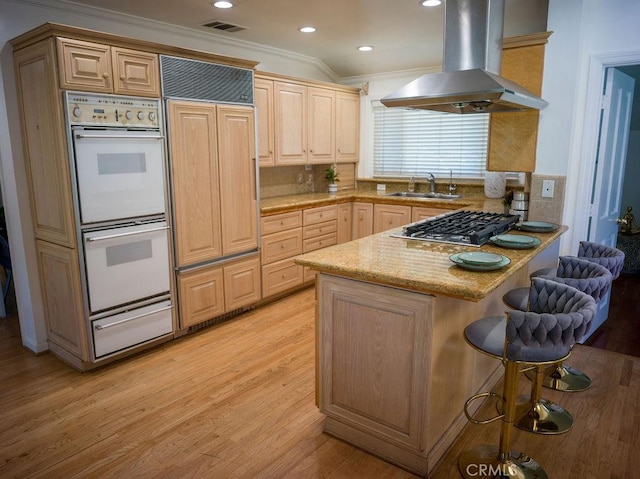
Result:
[112,110]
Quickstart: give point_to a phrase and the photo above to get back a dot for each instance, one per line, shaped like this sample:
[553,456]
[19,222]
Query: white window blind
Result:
[419,142]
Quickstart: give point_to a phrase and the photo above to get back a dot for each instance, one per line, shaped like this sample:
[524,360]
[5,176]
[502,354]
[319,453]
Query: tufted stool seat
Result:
[523,339]
[607,256]
[587,276]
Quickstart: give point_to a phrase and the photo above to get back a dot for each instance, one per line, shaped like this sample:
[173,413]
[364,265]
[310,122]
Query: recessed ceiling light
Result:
[307,29]
[365,48]
[222,4]
[430,3]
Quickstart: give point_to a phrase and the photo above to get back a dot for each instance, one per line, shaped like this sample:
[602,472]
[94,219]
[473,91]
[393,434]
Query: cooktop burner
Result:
[473,228]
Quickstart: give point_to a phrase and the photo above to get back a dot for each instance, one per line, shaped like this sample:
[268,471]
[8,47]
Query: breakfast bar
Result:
[392,368]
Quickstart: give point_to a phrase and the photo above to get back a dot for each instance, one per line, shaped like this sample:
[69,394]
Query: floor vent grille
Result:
[219,319]
[225,27]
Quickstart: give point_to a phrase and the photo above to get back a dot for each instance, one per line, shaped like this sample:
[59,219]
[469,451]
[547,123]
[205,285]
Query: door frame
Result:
[598,65]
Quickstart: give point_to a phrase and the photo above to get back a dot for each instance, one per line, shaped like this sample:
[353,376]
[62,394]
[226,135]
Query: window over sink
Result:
[416,143]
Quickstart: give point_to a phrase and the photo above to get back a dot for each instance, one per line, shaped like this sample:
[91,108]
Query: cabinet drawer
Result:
[280,276]
[318,215]
[320,229]
[281,245]
[281,222]
[318,242]
[309,274]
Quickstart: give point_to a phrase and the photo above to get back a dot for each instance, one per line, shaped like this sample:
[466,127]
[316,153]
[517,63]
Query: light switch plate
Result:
[547,188]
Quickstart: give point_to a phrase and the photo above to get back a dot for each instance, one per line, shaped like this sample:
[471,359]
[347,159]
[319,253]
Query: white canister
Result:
[495,184]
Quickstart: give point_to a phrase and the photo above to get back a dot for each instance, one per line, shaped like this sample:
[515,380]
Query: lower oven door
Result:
[126,264]
[131,328]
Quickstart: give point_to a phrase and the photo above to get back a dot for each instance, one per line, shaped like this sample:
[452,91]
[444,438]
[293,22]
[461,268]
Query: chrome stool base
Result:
[543,417]
[483,461]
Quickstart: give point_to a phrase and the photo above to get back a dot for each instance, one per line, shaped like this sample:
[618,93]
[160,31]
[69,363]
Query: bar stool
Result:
[585,275]
[523,339]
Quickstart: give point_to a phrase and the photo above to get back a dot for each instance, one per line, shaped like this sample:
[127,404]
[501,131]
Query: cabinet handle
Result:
[105,75]
[129,233]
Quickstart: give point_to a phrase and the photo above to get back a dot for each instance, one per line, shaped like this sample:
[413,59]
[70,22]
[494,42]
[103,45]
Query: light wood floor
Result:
[237,401]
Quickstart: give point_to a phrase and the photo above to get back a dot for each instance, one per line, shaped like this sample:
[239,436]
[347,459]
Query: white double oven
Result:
[118,157]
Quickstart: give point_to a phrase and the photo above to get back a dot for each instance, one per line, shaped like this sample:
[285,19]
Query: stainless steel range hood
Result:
[470,81]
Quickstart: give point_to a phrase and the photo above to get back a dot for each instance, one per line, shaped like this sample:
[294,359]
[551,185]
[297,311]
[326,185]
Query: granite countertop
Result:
[420,266]
[283,204]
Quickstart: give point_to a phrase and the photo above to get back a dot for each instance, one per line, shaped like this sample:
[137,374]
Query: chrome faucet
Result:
[432,183]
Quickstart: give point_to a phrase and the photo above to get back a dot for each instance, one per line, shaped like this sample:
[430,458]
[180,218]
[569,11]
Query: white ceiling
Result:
[405,35]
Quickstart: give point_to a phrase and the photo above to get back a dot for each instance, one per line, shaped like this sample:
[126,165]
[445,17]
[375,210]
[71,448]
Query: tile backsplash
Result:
[295,180]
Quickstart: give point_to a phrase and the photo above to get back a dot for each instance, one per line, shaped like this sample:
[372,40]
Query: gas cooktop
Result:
[472,228]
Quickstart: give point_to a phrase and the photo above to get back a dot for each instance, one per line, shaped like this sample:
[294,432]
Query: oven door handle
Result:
[100,327]
[130,233]
[118,137]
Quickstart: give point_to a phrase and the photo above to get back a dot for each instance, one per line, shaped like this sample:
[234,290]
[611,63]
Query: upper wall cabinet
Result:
[106,69]
[513,136]
[306,123]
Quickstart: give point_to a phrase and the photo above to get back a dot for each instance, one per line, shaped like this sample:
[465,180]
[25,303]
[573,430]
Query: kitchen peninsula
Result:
[392,368]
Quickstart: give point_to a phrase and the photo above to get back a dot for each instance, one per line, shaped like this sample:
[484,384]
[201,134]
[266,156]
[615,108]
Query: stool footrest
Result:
[482,396]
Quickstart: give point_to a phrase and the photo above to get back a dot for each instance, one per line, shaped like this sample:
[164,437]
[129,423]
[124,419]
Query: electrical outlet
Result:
[307,167]
[547,188]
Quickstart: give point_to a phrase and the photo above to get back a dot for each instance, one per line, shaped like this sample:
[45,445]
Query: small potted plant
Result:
[331,175]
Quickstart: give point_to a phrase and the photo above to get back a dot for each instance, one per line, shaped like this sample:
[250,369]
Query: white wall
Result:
[589,35]
[17,17]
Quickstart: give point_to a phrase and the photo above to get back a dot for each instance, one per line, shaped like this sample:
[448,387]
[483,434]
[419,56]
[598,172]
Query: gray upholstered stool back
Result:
[560,317]
[610,258]
[582,274]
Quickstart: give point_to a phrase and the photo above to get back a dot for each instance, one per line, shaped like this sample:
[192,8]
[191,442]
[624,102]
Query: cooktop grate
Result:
[472,228]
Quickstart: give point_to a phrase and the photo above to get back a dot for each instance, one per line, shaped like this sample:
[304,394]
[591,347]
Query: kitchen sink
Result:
[412,194]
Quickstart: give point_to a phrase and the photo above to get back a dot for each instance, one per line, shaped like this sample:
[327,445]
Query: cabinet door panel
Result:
[194,167]
[238,196]
[347,127]
[321,136]
[362,220]
[263,98]
[84,65]
[201,295]
[242,283]
[135,73]
[291,123]
[386,217]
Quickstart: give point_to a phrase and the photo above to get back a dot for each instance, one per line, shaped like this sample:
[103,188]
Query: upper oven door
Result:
[120,174]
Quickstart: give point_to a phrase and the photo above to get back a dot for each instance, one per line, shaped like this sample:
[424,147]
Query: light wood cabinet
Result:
[358,324]
[263,99]
[212,217]
[238,195]
[195,181]
[513,136]
[424,212]
[201,295]
[313,122]
[386,217]
[280,244]
[62,298]
[242,283]
[44,139]
[362,220]
[347,127]
[320,228]
[290,109]
[344,222]
[321,134]
[214,290]
[102,68]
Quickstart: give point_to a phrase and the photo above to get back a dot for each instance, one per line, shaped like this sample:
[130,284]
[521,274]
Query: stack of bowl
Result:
[520,205]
